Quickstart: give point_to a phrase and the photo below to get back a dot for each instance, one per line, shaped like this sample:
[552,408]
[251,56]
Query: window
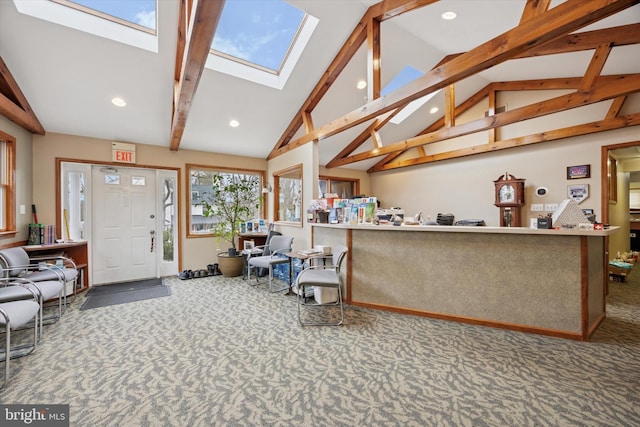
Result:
[168,219]
[132,22]
[345,188]
[288,194]
[7,184]
[138,14]
[201,179]
[260,40]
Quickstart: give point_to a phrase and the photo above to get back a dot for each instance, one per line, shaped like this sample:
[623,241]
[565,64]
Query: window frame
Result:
[8,183]
[329,178]
[276,197]
[209,168]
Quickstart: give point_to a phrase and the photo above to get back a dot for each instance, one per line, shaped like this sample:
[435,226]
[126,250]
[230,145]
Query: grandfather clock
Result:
[509,198]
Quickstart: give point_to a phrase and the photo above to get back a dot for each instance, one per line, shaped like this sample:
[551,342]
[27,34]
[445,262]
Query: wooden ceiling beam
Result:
[378,12]
[374,84]
[201,28]
[603,90]
[464,106]
[595,67]
[534,8]
[616,106]
[547,136]
[380,122]
[562,19]
[364,136]
[617,36]
[388,9]
[13,103]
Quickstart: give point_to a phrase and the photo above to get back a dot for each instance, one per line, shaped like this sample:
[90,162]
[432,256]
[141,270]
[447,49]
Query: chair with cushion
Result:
[14,314]
[321,276]
[277,247]
[258,251]
[47,280]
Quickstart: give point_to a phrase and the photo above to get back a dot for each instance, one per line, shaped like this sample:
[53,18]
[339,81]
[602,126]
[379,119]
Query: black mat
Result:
[122,293]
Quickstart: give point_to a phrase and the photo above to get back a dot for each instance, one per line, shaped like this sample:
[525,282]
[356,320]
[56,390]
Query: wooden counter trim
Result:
[469,229]
[473,321]
[584,281]
[349,264]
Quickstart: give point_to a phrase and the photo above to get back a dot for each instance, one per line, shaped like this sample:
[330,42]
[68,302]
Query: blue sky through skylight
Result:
[141,12]
[406,75]
[257,31]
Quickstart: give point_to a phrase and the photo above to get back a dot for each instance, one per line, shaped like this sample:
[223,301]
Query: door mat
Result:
[122,293]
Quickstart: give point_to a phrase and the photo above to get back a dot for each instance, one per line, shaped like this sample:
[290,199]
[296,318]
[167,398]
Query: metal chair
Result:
[15,314]
[47,280]
[278,246]
[258,251]
[322,276]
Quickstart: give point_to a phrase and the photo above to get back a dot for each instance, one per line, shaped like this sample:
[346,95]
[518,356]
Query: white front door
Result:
[124,236]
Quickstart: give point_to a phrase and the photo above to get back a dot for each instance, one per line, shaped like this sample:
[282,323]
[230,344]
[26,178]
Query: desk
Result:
[259,239]
[77,251]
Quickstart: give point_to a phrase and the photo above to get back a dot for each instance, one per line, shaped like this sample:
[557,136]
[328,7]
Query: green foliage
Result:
[167,242]
[233,199]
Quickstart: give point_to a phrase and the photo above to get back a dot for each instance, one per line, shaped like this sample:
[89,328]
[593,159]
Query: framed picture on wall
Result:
[578,172]
[579,193]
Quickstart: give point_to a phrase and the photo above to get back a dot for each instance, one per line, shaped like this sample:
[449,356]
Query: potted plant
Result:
[233,199]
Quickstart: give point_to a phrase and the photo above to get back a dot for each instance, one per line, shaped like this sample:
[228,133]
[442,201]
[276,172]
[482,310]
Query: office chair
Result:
[322,276]
[278,246]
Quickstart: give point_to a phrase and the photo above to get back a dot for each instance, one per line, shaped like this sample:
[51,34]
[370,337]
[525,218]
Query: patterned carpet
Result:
[218,352]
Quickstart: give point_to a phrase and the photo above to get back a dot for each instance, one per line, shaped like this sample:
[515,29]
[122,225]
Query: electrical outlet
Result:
[550,207]
[537,207]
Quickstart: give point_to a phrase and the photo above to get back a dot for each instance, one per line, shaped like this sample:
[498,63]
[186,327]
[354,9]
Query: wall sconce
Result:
[267,189]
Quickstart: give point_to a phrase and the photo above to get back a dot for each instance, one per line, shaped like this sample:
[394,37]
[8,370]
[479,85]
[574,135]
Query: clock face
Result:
[507,194]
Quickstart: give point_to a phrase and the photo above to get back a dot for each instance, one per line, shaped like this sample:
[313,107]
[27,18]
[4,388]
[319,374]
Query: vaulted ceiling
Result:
[59,79]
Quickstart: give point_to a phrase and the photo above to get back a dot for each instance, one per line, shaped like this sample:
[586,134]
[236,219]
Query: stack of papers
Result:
[309,251]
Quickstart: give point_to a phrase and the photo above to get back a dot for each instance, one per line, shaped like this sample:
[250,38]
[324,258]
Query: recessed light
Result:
[118,102]
[361,84]
[434,110]
[449,15]
[234,123]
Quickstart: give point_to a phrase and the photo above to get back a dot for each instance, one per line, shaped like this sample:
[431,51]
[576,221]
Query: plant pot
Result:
[230,266]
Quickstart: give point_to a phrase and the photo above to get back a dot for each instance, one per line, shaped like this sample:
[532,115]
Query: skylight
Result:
[260,40]
[131,22]
[140,13]
[406,75]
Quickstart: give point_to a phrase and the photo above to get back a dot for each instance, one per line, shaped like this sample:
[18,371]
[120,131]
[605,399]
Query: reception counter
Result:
[550,282]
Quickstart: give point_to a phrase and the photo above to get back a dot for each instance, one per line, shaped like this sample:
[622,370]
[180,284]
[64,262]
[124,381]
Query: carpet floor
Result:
[219,352]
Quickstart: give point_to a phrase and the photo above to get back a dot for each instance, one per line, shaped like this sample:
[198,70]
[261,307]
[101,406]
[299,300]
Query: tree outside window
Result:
[200,193]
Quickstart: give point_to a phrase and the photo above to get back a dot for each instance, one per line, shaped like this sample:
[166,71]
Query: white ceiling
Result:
[69,77]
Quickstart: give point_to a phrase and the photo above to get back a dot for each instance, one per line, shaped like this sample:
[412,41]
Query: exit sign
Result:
[122,152]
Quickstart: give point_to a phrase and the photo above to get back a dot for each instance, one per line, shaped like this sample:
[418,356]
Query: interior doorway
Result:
[620,163]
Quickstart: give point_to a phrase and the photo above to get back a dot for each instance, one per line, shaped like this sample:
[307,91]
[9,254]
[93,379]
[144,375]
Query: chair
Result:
[15,314]
[277,247]
[322,276]
[48,281]
[258,251]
